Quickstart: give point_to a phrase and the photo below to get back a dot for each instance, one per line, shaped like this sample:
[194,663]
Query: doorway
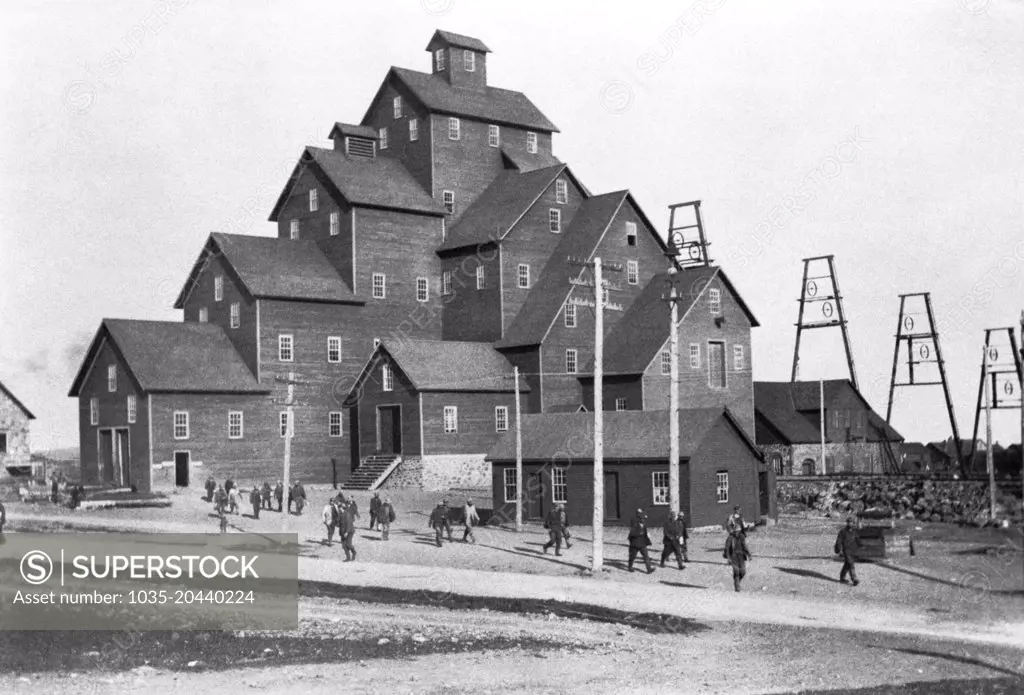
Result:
[611,495]
[181,468]
[105,458]
[535,496]
[122,457]
[763,487]
[389,429]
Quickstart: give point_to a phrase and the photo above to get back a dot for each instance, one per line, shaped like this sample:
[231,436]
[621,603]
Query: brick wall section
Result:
[15,425]
[698,326]
[373,395]
[468,313]
[113,414]
[219,313]
[476,422]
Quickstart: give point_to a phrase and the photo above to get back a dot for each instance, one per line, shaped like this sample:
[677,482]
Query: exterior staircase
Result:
[372,471]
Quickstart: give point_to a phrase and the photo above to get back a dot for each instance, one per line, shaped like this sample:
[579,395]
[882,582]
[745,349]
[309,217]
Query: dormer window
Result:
[382,135]
[314,202]
[396,104]
[439,60]
[561,191]
[469,60]
[493,136]
[531,143]
[454,128]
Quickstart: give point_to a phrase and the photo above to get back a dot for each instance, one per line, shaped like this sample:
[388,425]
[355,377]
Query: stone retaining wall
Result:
[441,472]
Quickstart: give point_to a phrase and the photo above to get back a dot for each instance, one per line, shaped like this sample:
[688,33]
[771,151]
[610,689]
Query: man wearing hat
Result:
[386,517]
[469,518]
[846,545]
[735,522]
[439,521]
[555,524]
[737,555]
[674,537]
[639,540]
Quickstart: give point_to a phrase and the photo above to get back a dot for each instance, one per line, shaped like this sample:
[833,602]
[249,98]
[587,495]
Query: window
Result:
[451,419]
[722,486]
[737,358]
[379,286]
[414,129]
[524,275]
[335,223]
[446,283]
[3,443]
[439,60]
[454,128]
[334,349]
[383,138]
[620,404]
[501,418]
[510,484]
[776,463]
[666,362]
[555,220]
[314,203]
[469,60]
[493,136]
[659,487]
[236,314]
[716,365]
[204,314]
[422,290]
[561,191]
[396,105]
[694,356]
[94,411]
[218,288]
[631,234]
[715,301]
[531,143]
[284,348]
[570,361]
[449,201]
[133,408]
[387,377]
[480,279]
[234,424]
[112,378]
[632,272]
[570,316]
[181,424]
[284,424]
[334,423]
[559,487]
[293,229]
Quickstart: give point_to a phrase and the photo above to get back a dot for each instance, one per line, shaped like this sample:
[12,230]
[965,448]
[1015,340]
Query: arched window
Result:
[808,467]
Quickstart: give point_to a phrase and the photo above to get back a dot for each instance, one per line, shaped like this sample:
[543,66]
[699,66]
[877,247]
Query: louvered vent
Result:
[360,147]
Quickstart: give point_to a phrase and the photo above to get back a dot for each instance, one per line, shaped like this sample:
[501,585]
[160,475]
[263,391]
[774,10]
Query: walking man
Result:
[254,500]
[736,554]
[686,536]
[439,520]
[555,524]
[374,510]
[735,522]
[229,485]
[639,540]
[300,498]
[470,518]
[220,500]
[386,516]
[675,535]
[211,487]
[234,500]
[846,545]
[347,528]
[330,519]
[279,495]
[447,519]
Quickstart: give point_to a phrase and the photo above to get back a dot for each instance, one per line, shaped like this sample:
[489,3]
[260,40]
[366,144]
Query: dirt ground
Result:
[362,641]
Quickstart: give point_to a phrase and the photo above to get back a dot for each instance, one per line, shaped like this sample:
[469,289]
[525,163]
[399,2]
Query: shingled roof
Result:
[500,206]
[638,336]
[780,403]
[169,356]
[14,399]
[379,182]
[628,435]
[547,296]
[273,268]
[444,365]
[526,161]
[458,40]
[490,104]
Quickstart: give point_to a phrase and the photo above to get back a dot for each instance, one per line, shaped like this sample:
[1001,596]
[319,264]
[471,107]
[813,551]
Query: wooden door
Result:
[389,430]
[181,466]
[123,459]
[105,458]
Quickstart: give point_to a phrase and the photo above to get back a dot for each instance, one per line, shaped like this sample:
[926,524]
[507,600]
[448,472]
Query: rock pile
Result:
[950,501]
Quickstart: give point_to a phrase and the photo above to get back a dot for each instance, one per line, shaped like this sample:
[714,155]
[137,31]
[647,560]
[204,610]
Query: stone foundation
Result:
[441,472]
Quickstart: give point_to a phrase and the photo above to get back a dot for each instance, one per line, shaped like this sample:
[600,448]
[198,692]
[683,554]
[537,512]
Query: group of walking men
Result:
[227,498]
[441,521]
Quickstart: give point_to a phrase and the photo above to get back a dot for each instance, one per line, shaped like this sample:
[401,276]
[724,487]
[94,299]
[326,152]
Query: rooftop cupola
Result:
[462,60]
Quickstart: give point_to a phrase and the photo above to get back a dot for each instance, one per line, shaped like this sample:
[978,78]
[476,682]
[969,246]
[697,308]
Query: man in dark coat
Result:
[673,539]
[54,490]
[279,496]
[220,500]
[639,540]
[439,520]
[229,484]
[386,517]
[300,498]
[447,519]
[211,487]
[77,491]
[265,494]
[735,522]
[736,554]
[555,524]
[846,545]
[374,510]
[347,515]
[254,500]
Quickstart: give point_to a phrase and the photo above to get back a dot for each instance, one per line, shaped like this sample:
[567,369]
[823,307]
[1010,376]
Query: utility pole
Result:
[1021,379]
[673,408]
[598,561]
[519,458]
[289,433]
[988,439]
[821,408]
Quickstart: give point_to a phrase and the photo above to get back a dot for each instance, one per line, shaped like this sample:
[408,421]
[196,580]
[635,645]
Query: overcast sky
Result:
[887,134]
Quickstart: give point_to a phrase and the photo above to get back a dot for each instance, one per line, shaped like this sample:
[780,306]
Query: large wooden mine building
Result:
[416,262]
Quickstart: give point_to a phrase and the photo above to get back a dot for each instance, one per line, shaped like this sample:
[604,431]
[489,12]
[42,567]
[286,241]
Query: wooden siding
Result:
[414,154]
[723,450]
[476,433]
[528,361]
[373,395]
[468,313]
[615,387]
[466,166]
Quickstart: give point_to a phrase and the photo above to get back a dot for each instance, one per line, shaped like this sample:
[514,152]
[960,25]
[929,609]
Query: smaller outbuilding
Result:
[719,467]
[15,458]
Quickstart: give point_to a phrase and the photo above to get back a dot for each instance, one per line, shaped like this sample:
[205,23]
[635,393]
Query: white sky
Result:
[131,130]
